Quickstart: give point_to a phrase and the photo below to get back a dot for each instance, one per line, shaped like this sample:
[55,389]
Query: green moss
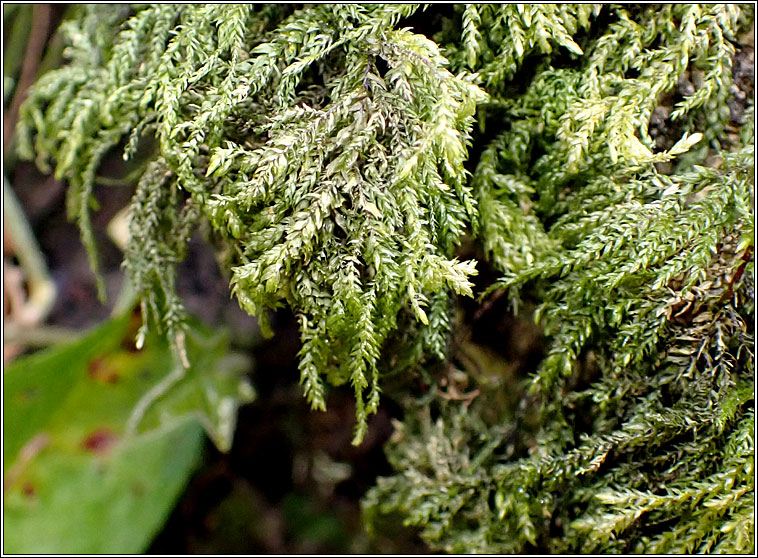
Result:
[326,149]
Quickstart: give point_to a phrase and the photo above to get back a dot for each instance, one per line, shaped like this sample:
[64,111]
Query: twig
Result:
[41,336]
[42,289]
[484,308]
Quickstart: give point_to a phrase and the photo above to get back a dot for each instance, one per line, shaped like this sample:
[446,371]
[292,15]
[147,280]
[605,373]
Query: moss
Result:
[326,149]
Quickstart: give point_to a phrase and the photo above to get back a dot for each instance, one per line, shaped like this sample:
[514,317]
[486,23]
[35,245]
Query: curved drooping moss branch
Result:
[338,188]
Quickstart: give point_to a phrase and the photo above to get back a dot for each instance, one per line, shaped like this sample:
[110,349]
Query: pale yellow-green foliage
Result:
[338,189]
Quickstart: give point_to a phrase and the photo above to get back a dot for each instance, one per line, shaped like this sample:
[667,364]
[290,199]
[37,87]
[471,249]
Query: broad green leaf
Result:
[78,502]
[211,390]
[75,480]
[35,388]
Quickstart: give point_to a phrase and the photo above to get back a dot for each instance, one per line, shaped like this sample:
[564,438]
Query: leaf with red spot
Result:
[99,440]
[100,369]
[75,482]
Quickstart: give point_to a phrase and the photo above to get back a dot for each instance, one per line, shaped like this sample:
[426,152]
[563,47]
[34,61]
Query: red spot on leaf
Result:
[139,490]
[100,370]
[100,440]
[29,490]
